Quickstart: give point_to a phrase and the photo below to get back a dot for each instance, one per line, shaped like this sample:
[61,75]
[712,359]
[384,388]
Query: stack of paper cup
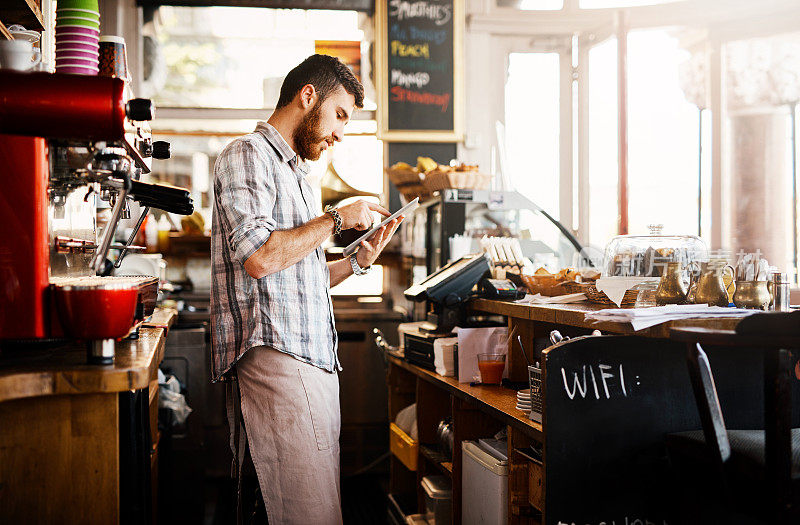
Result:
[77,37]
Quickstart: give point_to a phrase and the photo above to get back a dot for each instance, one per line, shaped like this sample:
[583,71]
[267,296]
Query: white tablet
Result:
[405,210]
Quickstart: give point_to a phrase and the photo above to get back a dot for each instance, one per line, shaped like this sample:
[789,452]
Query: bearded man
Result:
[274,337]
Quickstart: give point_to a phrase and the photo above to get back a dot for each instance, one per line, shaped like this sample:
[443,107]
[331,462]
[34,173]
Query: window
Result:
[215,71]
[532,124]
[763,87]
[663,140]
[603,149]
[662,137]
[236,57]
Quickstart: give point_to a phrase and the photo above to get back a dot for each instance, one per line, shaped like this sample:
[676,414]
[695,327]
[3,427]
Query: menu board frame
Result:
[453,133]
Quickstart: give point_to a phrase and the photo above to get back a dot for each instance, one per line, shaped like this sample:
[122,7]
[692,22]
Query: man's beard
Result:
[307,135]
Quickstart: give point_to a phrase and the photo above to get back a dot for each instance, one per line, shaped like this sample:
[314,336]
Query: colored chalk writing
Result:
[420,59]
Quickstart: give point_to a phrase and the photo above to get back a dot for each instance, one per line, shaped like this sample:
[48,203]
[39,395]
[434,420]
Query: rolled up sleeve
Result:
[245,190]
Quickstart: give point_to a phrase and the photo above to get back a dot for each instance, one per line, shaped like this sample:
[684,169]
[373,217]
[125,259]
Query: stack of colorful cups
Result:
[77,36]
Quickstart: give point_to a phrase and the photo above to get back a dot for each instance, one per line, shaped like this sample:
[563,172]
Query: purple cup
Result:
[85,55]
[77,37]
[81,62]
[76,62]
[77,29]
[77,71]
[78,46]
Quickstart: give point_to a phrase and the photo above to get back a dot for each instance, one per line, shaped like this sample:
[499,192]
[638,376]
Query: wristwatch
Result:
[358,270]
[337,219]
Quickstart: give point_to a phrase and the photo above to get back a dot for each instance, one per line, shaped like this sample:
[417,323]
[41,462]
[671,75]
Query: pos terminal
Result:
[446,290]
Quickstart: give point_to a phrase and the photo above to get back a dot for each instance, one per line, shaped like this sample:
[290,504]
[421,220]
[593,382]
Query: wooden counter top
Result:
[496,401]
[574,315]
[64,370]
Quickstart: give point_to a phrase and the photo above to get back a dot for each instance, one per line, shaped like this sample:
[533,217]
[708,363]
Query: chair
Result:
[755,472]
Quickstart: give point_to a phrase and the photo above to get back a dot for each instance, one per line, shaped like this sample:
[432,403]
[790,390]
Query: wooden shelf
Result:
[4,31]
[23,12]
[496,401]
[438,459]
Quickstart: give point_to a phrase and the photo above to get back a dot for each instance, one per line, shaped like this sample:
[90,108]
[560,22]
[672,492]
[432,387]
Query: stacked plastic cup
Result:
[77,37]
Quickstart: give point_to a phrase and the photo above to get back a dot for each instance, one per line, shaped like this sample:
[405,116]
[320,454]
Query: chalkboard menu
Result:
[419,69]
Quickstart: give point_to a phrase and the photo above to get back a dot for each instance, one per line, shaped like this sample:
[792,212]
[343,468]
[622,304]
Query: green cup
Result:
[77,13]
[62,22]
[78,4]
[82,16]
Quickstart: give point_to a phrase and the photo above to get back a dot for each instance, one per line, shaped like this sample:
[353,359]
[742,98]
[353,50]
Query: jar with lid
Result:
[648,255]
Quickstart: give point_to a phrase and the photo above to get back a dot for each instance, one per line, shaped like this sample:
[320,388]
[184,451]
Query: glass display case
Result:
[648,255]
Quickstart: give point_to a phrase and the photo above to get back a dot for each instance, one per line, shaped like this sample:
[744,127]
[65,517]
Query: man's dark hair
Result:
[325,73]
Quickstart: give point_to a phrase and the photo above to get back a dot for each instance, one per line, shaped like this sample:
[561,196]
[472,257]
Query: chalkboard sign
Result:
[609,403]
[419,69]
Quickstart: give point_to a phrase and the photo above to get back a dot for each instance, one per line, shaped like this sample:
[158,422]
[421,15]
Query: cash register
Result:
[446,292]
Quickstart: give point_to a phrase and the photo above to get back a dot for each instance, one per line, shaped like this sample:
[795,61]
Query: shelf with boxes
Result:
[452,422]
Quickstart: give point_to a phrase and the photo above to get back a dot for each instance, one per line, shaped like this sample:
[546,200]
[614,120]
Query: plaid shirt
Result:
[259,187]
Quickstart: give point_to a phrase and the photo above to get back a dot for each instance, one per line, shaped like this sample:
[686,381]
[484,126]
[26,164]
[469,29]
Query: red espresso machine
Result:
[67,141]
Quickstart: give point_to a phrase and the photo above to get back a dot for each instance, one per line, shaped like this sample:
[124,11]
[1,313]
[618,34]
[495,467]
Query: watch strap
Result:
[357,269]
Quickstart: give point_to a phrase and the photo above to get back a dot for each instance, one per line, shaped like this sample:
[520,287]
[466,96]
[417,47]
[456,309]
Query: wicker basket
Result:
[546,285]
[411,191]
[401,177]
[573,287]
[598,297]
[464,180]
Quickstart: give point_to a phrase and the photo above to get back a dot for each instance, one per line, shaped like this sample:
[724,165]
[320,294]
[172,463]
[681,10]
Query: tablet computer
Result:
[405,210]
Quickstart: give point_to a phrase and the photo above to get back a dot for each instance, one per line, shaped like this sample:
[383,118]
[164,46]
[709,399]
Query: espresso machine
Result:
[67,142]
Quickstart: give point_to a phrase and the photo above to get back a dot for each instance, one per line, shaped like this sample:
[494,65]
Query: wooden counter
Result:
[534,323]
[60,427]
[64,370]
[598,428]
[574,315]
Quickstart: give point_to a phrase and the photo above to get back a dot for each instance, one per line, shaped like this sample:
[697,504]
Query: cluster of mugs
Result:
[77,37]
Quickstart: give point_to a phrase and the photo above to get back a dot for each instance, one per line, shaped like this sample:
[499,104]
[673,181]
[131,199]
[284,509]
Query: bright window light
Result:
[532,124]
[601,4]
[532,5]
[603,165]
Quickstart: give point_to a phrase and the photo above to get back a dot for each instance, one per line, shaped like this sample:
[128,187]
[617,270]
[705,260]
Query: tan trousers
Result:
[292,420]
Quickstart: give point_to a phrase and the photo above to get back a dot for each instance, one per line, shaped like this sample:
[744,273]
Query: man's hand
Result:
[369,249]
[358,215]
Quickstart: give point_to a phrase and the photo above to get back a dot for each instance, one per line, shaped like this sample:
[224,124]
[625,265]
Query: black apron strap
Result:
[238,439]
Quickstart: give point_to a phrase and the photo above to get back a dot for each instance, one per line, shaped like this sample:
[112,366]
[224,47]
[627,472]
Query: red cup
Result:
[96,313]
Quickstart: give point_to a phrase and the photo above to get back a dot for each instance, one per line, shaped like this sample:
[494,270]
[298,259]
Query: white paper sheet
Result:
[615,287]
[474,341]
[557,299]
[443,359]
[641,318]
